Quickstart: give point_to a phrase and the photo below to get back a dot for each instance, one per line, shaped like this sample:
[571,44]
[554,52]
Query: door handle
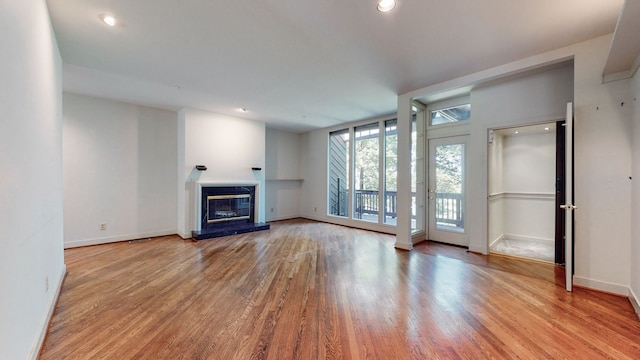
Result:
[568,207]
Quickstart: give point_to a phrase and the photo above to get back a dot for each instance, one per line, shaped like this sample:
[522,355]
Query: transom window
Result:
[451,114]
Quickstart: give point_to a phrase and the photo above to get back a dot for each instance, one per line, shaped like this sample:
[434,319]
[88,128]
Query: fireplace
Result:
[225,210]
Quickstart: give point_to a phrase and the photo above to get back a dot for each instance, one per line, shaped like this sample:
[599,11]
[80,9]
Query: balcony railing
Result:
[449,208]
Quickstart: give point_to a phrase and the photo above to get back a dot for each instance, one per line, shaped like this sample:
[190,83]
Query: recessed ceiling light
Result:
[546,128]
[386,5]
[108,19]
[243,110]
[517,132]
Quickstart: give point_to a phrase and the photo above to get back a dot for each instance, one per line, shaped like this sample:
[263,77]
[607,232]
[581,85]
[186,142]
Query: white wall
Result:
[602,159]
[602,169]
[119,169]
[495,205]
[530,163]
[522,186]
[538,97]
[31,225]
[282,172]
[313,169]
[635,213]
[228,146]
[529,185]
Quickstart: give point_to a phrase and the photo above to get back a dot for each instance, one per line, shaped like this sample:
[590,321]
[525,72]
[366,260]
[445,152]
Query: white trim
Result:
[282,217]
[198,185]
[446,104]
[624,74]
[633,299]
[521,238]
[497,240]
[620,75]
[44,325]
[118,238]
[601,285]
[522,195]
[528,238]
[635,66]
[403,246]
[499,72]
[478,249]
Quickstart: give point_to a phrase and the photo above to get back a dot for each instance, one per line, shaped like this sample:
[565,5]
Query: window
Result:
[417,170]
[363,186]
[390,171]
[451,114]
[366,172]
[414,174]
[339,172]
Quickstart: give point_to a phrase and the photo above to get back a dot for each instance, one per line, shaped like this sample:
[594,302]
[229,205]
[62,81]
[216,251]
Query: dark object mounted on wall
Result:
[201,168]
[256,168]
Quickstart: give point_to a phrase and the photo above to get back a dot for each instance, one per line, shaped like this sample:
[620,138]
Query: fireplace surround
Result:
[225,209]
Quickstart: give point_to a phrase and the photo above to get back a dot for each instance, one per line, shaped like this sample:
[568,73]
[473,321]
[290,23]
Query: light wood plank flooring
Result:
[308,290]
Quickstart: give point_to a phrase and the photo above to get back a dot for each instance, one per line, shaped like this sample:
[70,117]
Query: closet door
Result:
[568,205]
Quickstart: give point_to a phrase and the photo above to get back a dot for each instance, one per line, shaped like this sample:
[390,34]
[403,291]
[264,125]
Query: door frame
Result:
[560,193]
[559,187]
[569,206]
[459,238]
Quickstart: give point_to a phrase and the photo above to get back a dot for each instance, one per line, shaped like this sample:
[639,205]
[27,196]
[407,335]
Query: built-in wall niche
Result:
[282,173]
[522,178]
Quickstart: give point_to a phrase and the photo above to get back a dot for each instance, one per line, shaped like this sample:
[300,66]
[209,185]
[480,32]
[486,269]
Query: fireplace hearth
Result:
[226,210]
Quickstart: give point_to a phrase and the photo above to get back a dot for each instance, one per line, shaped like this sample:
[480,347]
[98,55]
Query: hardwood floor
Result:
[308,290]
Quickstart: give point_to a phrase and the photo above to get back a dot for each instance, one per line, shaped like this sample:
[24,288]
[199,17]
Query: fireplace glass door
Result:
[222,208]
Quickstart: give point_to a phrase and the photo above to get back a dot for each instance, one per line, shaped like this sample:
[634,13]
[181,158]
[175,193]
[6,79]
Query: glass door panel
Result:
[447,183]
[366,172]
[338,173]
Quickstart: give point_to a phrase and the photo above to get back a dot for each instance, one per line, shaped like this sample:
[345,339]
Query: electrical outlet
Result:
[46,284]
[103,226]
[315,209]
[271,209]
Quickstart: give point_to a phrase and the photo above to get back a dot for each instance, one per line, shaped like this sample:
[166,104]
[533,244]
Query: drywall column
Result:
[228,146]
[31,225]
[602,166]
[403,234]
[635,201]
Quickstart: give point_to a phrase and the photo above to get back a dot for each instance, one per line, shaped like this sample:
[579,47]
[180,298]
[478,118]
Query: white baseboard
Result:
[601,285]
[44,324]
[633,299]
[494,242]
[118,238]
[527,238]
[282,217]
[403,246]
[478,249]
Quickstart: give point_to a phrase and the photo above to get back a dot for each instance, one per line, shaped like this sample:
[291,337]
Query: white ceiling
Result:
[301,64]
[528,130]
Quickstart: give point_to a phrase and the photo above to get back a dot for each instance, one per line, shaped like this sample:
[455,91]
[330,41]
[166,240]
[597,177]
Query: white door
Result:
[447,190]
[568,203]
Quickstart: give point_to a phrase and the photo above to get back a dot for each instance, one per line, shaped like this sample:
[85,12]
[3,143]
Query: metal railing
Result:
[449,207]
